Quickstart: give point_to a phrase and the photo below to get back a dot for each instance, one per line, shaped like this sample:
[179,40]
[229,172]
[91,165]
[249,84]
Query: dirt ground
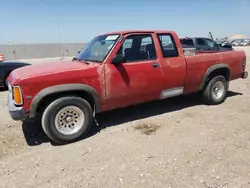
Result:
[172,143]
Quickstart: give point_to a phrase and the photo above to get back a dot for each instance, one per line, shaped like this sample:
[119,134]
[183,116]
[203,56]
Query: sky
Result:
[45,21]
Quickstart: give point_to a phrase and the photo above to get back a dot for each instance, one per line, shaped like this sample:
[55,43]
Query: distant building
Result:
[236,37]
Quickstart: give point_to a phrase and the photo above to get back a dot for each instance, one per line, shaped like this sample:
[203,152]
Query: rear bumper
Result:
[244,75]
[16,113]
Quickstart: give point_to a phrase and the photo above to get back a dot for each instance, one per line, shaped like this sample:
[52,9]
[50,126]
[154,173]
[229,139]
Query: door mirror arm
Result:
[119,58]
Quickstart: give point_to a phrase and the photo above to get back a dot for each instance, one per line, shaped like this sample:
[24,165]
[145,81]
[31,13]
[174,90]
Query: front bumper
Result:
[244,75]
[16,113]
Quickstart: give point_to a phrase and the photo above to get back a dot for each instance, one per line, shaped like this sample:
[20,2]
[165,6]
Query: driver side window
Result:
[138,48]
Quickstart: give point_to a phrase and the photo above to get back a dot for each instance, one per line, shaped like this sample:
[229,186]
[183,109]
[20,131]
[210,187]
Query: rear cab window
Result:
[168,45]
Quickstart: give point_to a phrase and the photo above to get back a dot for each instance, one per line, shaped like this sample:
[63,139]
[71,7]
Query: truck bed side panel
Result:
[234,59]
[198,65]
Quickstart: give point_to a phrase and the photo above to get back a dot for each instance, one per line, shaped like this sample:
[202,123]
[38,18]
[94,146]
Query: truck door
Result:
[136,79]
[173,66]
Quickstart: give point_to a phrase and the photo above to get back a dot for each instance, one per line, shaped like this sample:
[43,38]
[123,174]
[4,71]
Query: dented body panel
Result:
[124,84]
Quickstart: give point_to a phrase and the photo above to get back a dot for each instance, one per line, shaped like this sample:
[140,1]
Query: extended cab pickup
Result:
[115,70]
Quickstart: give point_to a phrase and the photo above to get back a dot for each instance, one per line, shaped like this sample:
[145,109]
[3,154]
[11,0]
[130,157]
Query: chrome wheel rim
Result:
[69,120]
[218,90]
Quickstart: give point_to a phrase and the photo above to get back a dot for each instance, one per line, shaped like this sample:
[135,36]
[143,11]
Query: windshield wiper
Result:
[91,60]
[84,61]
[74,58]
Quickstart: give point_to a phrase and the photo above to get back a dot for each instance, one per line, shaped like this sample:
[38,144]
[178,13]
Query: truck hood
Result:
[51,68]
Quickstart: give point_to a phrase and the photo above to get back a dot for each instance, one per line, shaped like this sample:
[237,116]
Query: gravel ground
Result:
[172,143]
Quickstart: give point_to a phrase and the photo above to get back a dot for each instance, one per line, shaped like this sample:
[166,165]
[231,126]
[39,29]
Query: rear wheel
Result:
[215,91]
[66,119]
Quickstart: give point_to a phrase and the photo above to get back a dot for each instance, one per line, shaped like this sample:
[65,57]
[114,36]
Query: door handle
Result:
[155,65]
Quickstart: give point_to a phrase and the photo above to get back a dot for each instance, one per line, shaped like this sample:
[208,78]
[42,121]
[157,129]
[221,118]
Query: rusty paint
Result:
[101,78]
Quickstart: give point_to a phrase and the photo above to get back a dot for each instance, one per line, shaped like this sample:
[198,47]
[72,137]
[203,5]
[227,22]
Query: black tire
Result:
[50,113]
[207,94]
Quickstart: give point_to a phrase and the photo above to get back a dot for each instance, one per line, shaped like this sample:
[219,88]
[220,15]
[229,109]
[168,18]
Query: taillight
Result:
[244,64]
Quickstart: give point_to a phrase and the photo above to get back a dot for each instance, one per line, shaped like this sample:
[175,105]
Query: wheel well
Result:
[221,71]
[49,98]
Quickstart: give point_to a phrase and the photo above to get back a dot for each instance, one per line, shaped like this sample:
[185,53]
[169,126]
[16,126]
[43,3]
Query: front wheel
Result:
[66,119]
[215,91]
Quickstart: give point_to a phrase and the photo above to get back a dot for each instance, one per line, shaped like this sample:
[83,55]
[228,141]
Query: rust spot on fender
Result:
[101,78]
[108,74]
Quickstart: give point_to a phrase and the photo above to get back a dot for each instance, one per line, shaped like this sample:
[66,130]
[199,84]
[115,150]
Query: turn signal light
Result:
[17,95]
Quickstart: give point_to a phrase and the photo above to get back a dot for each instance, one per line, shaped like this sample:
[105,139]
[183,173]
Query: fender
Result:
[63,88]
[210,70]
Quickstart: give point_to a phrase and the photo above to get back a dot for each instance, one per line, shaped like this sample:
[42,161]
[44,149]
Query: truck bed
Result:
[198,65]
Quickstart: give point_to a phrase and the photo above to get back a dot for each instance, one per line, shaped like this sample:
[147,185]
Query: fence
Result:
[32,51]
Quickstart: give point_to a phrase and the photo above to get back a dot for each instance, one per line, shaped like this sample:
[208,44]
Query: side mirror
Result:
[119,58]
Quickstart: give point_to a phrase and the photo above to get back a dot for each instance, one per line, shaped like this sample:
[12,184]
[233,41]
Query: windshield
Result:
[98,48]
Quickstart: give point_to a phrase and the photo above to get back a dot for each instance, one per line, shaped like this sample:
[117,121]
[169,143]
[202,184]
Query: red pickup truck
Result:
[115,70]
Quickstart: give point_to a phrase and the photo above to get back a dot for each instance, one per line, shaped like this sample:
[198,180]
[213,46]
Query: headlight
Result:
[17,95]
